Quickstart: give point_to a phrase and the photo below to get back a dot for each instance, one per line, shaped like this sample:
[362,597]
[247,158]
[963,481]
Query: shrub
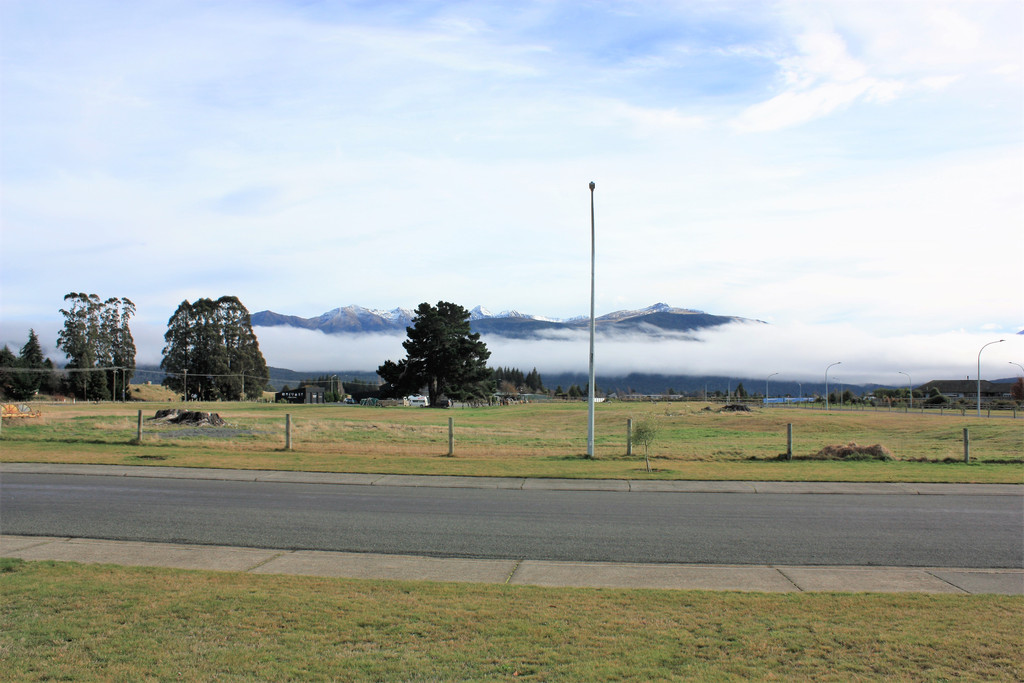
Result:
[644,433]
[852,451]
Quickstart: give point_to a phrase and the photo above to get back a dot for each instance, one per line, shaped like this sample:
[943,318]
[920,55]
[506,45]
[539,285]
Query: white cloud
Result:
[793,108]
[798,352]
[306,156]
[297,349]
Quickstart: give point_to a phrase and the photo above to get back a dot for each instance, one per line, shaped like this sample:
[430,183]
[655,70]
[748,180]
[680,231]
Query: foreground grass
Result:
[537,440]
[81,622]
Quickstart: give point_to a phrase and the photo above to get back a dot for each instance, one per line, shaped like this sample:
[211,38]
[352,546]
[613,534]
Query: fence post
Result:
[138,430]
[789,441]
[629,436]
[451,436]
[288,431]
[967,446]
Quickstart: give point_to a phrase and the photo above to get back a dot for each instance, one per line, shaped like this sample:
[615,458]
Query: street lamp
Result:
[590,393]
[979,372]
[910,388]
[838,362]
[766,386]
[1018,365]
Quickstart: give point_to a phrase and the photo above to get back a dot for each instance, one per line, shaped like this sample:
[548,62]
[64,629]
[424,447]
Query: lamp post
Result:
[838,362]
[766,386]
[910,388]
[590,392]
[1018,365]
[979,372]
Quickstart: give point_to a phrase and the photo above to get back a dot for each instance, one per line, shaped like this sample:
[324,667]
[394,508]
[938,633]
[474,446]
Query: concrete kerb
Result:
[449,481]
[768,579]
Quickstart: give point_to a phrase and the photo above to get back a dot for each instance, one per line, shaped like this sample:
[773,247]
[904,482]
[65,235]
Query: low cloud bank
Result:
[796,352]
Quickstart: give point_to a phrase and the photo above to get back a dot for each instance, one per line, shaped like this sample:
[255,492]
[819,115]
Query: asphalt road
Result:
[713,528]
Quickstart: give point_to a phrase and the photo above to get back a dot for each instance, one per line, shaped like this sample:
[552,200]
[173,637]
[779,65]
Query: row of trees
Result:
[210,340]
[29,372]
[512,380]
[98,343]
[212,353]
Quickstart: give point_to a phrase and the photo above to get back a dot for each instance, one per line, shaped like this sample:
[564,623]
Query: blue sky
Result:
[843,170]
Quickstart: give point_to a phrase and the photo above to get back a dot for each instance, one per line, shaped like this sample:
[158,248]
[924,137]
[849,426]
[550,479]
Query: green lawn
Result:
[535,440]
[91,622]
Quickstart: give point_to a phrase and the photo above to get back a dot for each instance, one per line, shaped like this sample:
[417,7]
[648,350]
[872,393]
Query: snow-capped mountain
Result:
[350,319]
[656,308]
[651,321]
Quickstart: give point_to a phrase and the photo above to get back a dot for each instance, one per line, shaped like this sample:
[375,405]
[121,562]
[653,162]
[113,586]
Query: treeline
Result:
[512,380]
[25,374]
[211,354]
[98,343]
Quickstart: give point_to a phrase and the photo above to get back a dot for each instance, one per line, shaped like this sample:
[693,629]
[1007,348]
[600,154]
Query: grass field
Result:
[91,622]
[532,440]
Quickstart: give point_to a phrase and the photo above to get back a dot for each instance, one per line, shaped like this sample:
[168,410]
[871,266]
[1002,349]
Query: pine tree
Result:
[534,382]
[442,355]
[25,384]
[8,363]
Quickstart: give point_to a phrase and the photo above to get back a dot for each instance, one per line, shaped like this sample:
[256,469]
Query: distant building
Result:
[307,394]
[966,388]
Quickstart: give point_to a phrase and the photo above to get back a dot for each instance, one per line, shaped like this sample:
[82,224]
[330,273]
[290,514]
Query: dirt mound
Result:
[735,408]
[188,417]
[852,451]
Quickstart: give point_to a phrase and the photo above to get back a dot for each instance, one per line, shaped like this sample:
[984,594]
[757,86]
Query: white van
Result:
[419,401]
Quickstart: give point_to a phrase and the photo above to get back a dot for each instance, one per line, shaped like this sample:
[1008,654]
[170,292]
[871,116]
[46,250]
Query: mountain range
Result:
[656,320]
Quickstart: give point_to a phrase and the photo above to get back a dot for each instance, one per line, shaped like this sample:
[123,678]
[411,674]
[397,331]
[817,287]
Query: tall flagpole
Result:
[590,393]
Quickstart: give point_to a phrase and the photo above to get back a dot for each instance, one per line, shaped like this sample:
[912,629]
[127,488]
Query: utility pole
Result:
[590,400]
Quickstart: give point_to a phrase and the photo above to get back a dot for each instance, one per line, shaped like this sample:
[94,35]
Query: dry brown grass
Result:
[539,440]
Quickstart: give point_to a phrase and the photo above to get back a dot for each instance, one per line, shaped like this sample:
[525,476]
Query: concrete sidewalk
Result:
[519,483]
[769,579]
